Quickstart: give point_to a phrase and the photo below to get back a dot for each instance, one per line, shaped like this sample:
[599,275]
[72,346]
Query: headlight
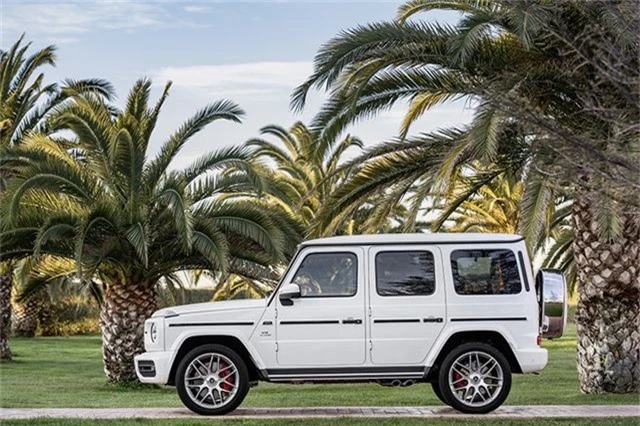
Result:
[153,332]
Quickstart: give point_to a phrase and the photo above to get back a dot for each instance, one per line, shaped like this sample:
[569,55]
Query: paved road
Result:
[530,411]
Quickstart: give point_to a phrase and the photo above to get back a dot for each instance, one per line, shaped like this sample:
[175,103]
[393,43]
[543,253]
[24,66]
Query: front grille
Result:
[147,368]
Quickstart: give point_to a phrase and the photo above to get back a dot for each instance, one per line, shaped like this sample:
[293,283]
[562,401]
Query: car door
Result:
[407,303]
[325,325]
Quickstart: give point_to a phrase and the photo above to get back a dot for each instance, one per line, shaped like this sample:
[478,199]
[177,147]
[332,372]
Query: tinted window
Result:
[327,274]
[405,273]
[485,272]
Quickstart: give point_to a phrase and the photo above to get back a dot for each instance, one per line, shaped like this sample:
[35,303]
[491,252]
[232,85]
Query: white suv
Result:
[460,311]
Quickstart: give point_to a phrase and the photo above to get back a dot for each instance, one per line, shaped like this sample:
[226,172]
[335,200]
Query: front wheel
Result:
[212,380]
[475,378]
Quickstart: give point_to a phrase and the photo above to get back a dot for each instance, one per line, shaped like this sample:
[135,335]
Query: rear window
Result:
[477,272]
[405,273]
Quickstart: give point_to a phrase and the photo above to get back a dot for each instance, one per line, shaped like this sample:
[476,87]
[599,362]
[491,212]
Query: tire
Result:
[212,389]
[436,389]
[490,385]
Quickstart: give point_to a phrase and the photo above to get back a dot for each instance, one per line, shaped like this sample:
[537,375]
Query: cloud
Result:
[243,79]
[74,18]
[66,21]
[192,8]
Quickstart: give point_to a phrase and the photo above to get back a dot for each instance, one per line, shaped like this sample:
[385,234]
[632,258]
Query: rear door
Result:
[406,302]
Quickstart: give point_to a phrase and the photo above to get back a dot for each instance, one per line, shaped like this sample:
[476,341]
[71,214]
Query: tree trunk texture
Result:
[31,313]
[46,318]
[6,284]
[33,316]
[608,311]
[25,318]
[122,315]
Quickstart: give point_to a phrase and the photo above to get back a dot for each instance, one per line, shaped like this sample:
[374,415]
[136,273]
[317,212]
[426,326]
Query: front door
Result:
[325,326]
[407,302]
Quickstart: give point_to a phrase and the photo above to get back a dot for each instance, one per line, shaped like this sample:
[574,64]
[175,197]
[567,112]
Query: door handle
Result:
[431,319]
[352,321]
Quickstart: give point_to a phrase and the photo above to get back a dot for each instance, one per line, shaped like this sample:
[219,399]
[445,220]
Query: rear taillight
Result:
[539,339]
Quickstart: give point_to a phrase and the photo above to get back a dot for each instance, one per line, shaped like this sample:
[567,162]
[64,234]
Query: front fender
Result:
[212,333]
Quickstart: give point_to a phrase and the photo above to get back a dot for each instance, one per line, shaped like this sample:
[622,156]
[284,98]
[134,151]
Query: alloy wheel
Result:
[475,378]
[211,380]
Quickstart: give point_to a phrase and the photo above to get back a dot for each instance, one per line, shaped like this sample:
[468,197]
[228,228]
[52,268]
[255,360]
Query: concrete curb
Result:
[513,411]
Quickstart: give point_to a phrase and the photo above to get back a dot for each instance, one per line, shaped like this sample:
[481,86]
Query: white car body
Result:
[361,337]
[395,331]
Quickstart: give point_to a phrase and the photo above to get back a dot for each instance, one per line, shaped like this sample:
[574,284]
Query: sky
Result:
[254,53]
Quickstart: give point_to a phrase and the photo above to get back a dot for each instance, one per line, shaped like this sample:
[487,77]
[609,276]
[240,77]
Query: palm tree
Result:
[27,314]
[495,207]
[553,104]
[34,277]
[300,168]
[100,198]
[25,103]
[301,171]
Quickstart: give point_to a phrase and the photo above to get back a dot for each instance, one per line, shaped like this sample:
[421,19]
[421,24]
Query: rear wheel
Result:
[212,380]
[475,378]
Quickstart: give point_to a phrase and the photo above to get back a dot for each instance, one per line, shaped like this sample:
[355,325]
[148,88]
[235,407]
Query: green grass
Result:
[329,422]
[67,372]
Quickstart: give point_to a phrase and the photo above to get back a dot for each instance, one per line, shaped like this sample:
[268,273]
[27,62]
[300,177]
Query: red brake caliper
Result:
[227,375]
[460,384]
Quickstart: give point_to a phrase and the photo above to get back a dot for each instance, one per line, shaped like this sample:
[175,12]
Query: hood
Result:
[226,305]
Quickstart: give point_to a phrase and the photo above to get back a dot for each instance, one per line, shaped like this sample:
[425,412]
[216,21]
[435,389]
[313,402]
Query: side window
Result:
[405,273]
[485,272]
[328,275]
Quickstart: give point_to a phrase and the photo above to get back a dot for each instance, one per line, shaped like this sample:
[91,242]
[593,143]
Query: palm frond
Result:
[221,110]
[412,7]
[173,197]
[358,44]
[538,195]
[136,236]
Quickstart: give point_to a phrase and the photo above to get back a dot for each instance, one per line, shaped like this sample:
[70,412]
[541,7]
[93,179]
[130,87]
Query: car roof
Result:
[435,238]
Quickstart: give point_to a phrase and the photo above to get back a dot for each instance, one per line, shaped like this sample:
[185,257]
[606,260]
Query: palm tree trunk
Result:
[122,315]
[608,311]
[6,284]
[25,317]
[46,318]
[33,313]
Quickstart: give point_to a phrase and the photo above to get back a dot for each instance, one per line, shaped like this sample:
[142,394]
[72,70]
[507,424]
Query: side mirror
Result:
[551,289]
[287,293]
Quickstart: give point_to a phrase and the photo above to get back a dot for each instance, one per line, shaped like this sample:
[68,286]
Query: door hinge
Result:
[370,345]
[369,310]
[276,346]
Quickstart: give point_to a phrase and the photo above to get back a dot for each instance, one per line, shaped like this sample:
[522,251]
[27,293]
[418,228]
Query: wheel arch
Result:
[491,337]
[231,342]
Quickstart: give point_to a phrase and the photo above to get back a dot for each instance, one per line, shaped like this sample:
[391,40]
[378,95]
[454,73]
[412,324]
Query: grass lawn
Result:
[328,422]
[67,372]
